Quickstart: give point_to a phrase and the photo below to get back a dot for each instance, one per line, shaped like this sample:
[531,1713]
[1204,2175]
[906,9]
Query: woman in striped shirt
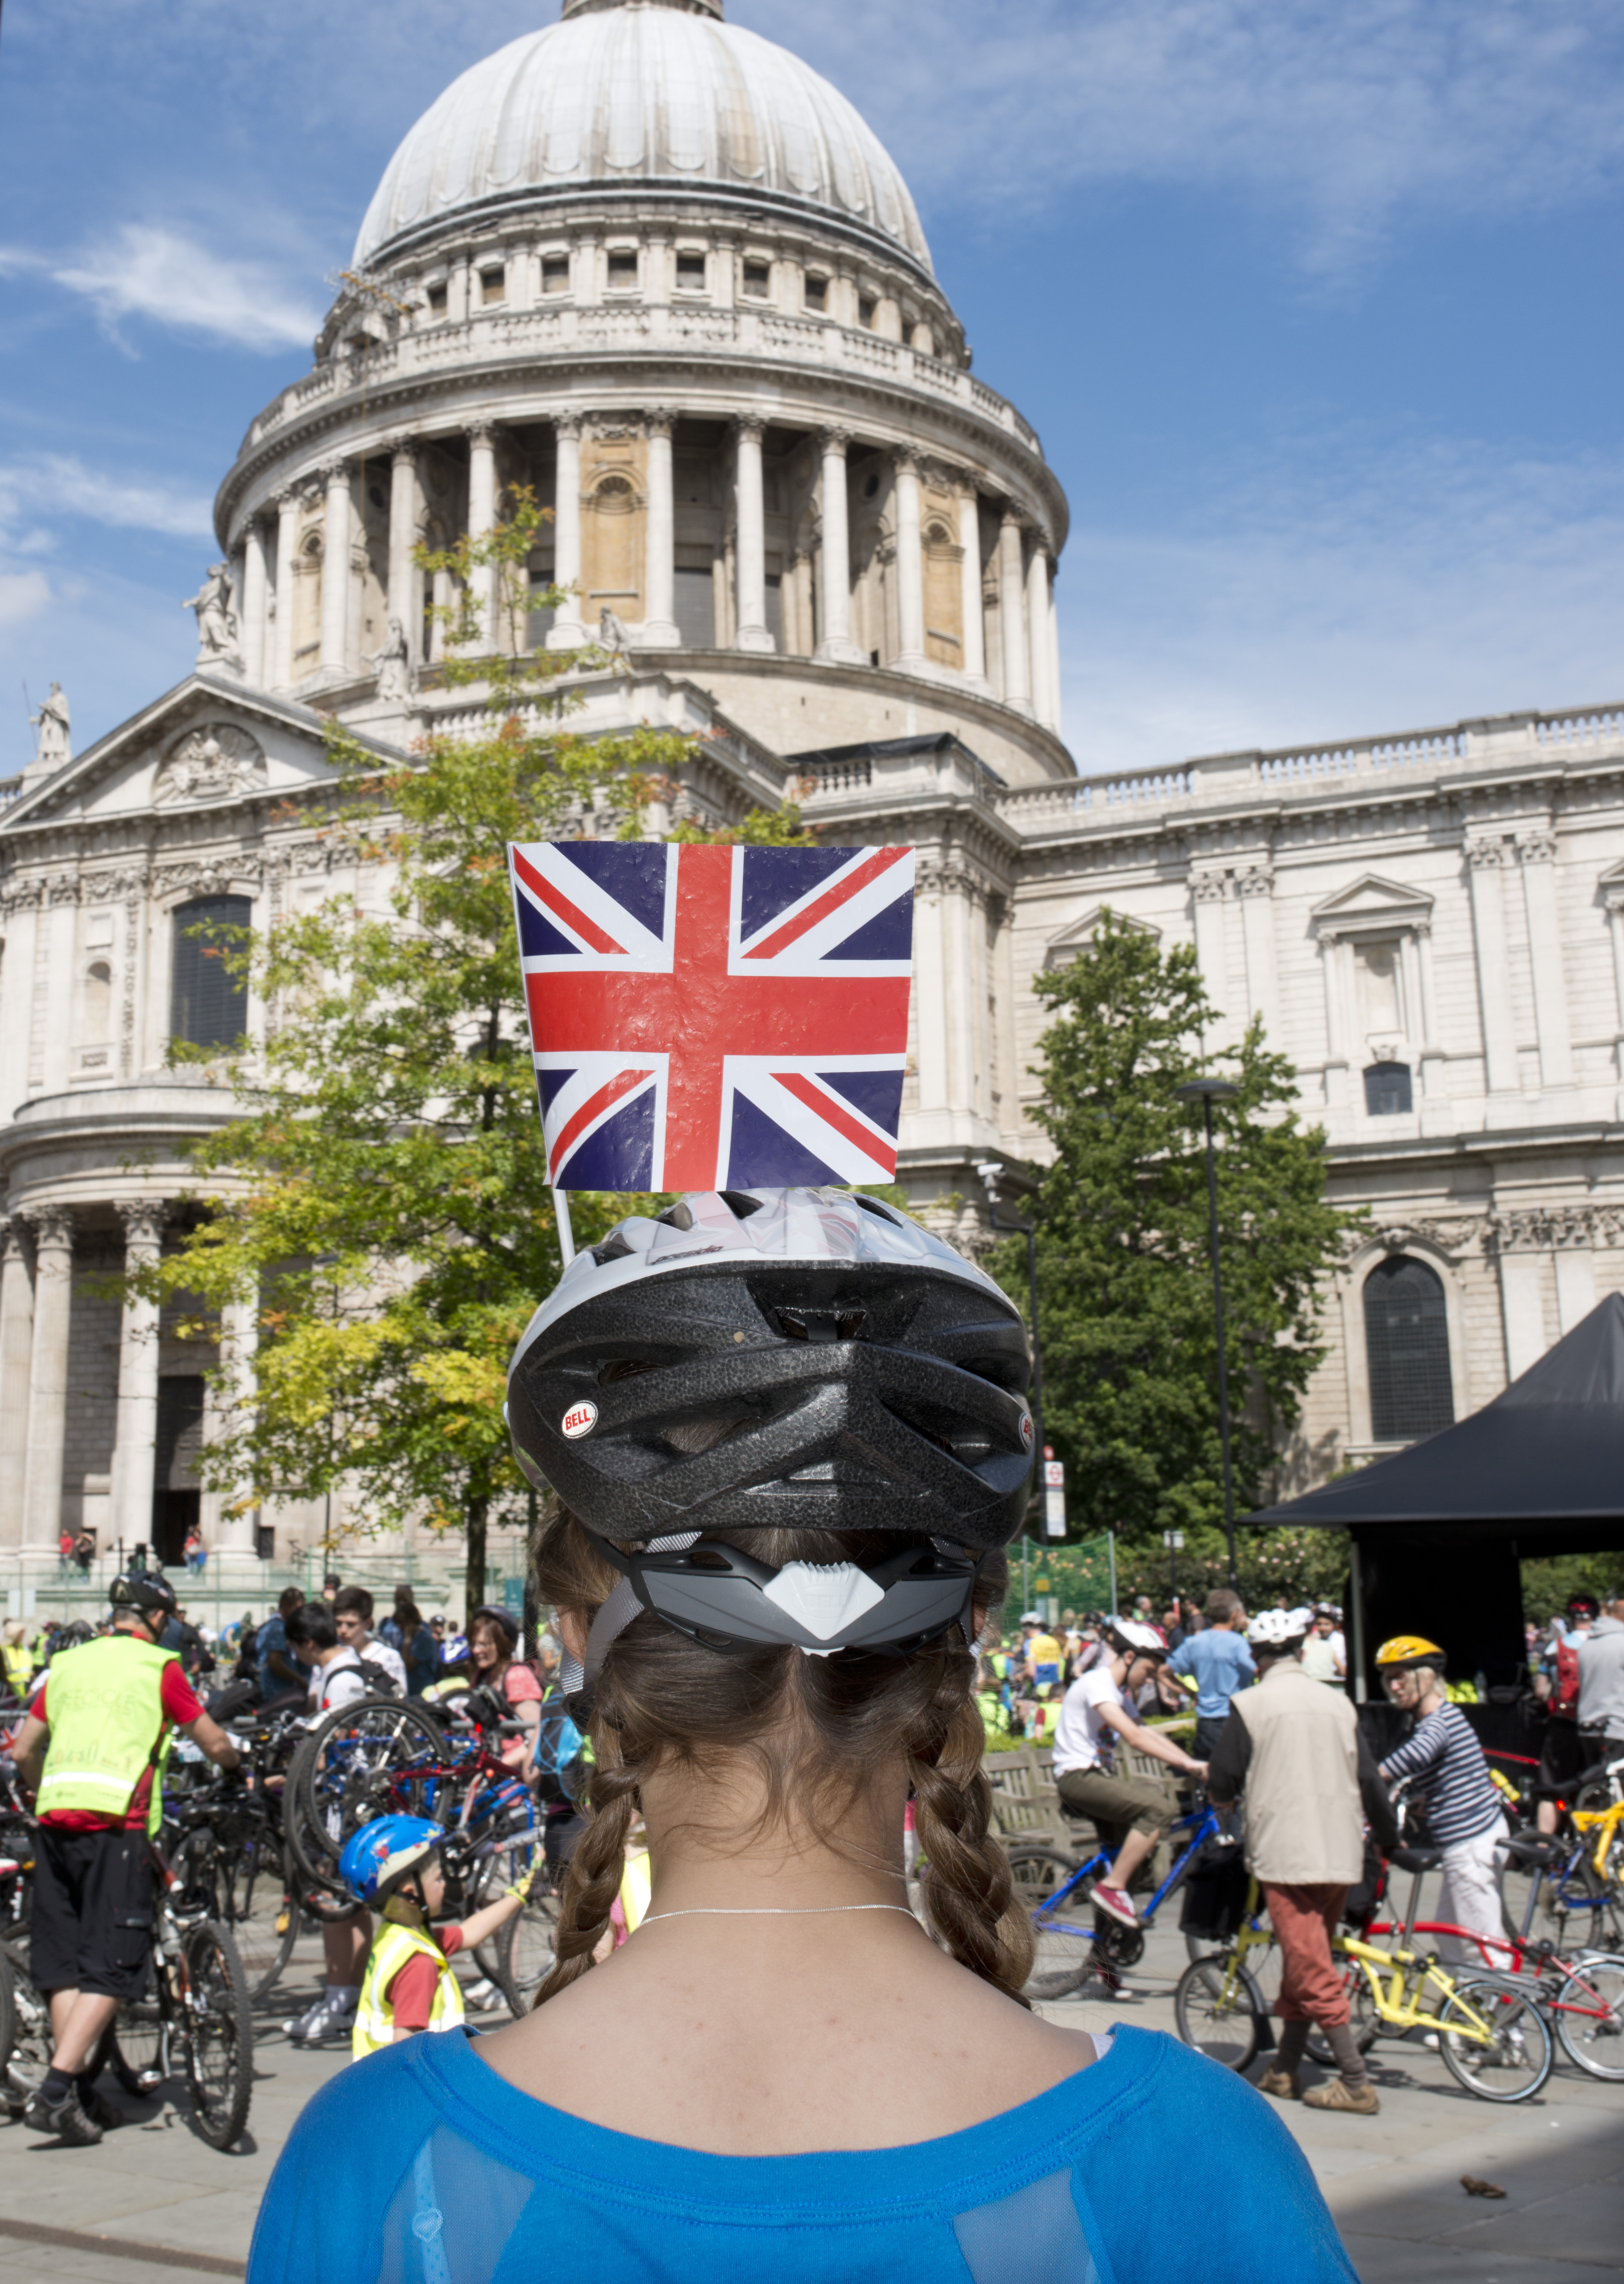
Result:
[1464,1816]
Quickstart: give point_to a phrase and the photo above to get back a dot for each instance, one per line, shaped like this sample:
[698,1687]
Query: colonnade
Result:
[36,1273]
[1022,559]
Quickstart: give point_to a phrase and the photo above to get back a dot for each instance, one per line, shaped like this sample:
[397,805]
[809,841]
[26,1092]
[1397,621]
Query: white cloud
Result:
[52,484]
[1350,587]
[23,595]
[154,273]
[1338,112]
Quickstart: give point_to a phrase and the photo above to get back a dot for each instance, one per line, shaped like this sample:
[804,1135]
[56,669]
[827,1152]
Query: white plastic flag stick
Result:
[566,1235]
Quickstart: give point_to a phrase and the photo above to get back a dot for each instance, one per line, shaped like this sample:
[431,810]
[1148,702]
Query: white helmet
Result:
[1273,1629]
[1129,1634]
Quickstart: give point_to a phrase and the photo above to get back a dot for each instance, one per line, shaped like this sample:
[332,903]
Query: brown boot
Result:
[1285,2085]
[1358,2095]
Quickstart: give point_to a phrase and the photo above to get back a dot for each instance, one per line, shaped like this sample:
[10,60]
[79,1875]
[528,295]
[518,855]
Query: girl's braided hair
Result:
[819,1729]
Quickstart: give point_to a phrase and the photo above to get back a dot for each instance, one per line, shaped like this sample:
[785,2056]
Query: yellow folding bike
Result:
[1493,2038]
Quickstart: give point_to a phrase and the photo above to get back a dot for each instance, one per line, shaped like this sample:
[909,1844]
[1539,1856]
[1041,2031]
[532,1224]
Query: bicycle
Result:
[1057,1891]
[1557,1876]
[1572,1993]
[1493,2038]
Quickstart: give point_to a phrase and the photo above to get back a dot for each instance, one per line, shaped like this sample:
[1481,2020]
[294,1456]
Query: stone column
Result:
[931,997]
[1613,895]
[335,571]
[405,579]
[660,570]
[253,605]
[909,565]
[974,653]
[287,546]
[239,1339]
[1338,1029]
[1485,854]
[135,1441]
[752,557]
[53,1285]
[1013,614]
[836,648]
[1255,887]
[481,519]
[1038,615]
[16,1353]
[567,632]
[1432,1075]
[1212,951]
[1056,708]
[1538,853]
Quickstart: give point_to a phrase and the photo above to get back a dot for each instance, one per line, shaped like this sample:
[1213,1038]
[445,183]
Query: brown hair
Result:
[1222,1603]
[818,1729]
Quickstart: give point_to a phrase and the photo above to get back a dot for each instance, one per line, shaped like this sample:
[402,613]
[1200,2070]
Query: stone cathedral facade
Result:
[653,268]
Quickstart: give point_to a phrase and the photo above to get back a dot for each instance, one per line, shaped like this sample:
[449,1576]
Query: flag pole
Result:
[566,1235]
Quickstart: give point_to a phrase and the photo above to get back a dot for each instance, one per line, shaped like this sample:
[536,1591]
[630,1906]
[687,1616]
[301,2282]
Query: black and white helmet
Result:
[789,1359]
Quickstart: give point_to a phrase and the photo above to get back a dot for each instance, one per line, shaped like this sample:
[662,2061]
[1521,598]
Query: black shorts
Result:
[91,1921]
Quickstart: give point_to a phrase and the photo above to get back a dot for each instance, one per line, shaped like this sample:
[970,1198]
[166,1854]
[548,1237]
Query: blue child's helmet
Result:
[378,1857]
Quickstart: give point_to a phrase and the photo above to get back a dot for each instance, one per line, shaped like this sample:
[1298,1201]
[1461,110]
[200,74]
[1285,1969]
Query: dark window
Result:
[756,280]
[817,293]
[1386,1090]
[492,285]
[865,312]
[1407,1345]
[696,607]
[436,301]
[175,1498]
[208,1005]
[623,271]
[555,273]
[690,272]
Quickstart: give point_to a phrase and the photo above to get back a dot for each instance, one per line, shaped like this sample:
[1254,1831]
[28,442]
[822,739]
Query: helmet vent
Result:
[677,1216]
[740,1203]
[613,1248]
[821,1325]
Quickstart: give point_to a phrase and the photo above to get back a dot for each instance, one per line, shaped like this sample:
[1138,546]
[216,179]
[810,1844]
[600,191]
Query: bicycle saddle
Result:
[1532,1848]
[1416,1860]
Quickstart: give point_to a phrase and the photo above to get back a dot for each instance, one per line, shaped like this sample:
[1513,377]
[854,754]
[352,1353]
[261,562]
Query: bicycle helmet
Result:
[1128,1638]
[793,1359]
[377,1859]
[1403,1650]
[1274,1629]
[148,1591]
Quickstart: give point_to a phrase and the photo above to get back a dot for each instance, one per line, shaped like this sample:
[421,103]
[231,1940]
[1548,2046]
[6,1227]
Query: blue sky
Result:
[1315,303]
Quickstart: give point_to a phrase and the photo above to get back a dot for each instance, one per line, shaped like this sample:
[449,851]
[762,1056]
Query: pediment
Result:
[1372,904]
[1064,948]
[207,745]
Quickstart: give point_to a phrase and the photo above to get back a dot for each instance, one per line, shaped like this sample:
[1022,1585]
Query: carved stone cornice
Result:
[333,474]
[1207,888]
[1255,881]
[749,426]
[1537,847]
[1484,851]
[568,421]
[831,442]
[659,420]
[143,1220]
[51,1226]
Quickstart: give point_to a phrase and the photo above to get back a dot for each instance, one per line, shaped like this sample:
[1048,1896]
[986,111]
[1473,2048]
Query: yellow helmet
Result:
[1409,1649]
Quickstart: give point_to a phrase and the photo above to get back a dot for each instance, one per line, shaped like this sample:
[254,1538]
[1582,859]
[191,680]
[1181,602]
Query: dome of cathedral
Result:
[662,94]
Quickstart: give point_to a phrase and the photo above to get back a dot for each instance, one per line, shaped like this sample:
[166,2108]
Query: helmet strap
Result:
[401,1910]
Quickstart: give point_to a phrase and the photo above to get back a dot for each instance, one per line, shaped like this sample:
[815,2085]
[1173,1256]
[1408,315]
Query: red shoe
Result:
[1117,1903]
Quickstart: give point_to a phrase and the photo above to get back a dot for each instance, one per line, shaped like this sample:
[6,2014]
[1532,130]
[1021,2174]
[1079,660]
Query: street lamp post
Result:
[1207,1091]
[992,1177]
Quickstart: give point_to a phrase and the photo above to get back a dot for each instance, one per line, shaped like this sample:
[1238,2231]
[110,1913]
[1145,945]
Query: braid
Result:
[968,1892]
[597,1866]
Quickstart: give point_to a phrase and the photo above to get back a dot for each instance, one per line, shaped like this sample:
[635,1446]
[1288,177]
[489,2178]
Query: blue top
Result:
[1219,1662]
[421,2166]
[273,1636]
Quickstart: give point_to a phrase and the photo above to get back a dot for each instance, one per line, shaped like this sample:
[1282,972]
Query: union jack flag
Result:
[709,1017]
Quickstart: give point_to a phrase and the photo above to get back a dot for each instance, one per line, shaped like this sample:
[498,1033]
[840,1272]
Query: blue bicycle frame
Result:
[1202,1825]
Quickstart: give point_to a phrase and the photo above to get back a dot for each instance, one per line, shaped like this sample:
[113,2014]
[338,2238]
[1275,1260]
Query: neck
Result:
[712,1846]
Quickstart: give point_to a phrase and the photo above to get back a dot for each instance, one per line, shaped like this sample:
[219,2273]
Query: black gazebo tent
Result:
[1438,1529]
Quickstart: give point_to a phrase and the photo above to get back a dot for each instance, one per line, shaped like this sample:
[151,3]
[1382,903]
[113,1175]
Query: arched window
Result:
[208,1005]
[97,1002]
[1388,1090]
[1407,1345]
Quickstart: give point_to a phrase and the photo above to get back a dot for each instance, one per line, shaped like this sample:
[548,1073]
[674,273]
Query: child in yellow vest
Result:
[392,1866]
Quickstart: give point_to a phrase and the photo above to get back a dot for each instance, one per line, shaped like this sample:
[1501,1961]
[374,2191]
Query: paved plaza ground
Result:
[1393,2181]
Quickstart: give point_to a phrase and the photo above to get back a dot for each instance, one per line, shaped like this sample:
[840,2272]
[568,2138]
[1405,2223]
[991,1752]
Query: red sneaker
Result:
[1117,1903]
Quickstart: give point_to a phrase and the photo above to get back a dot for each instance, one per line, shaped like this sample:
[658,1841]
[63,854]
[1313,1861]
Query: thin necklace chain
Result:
[768,1912]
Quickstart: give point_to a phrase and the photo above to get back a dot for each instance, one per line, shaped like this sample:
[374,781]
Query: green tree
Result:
[1128,1344]
[381,1204]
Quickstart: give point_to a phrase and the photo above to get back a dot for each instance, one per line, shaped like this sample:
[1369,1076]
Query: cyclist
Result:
[1562,1758]
[93,1749]
[393,1866]
[1219,1662]
[791,1430]
[1130,1813]
[1294,1748]
[19,1657]
[1601,1686]
[352,1613]
[1458,1795]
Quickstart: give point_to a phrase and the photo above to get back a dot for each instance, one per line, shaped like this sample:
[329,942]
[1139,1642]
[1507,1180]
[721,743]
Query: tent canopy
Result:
[1545,1458]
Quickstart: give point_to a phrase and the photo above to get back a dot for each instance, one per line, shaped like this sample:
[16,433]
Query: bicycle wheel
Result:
[134,2051]
[1515,1883]
[523,1950]
[262,1912]
[1362,2015]
[1588,2010]
[217,2033]
[8,2011]
[1219,2011]
[379,1757]
[27,2055]
[1064,1934]
[1514,2062]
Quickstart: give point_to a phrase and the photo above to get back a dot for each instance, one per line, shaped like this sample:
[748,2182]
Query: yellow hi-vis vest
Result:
[374,2016]
[104,1703]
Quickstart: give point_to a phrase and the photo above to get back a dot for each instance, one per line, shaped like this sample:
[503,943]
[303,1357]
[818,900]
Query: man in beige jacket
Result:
[1293,1747]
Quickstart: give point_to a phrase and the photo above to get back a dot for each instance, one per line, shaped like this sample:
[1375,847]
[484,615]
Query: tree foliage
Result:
[381,1205]
[1129,1349]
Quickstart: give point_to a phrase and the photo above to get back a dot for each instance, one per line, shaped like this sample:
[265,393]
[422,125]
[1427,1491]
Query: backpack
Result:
[380,1681]
[1564,1697]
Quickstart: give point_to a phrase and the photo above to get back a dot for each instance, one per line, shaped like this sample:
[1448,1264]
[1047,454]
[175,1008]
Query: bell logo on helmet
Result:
[579,1419]
[1025,1431]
